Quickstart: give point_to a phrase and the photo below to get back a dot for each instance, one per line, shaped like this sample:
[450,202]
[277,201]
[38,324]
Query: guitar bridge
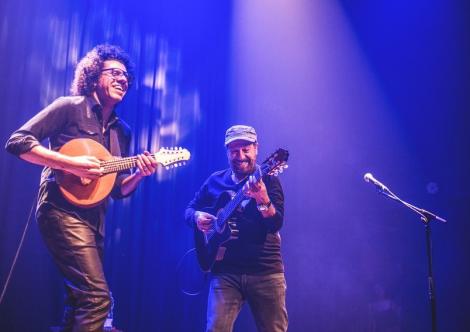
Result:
[234,231]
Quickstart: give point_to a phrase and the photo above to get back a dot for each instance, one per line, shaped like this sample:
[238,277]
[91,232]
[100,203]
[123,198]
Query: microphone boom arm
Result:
[425,216]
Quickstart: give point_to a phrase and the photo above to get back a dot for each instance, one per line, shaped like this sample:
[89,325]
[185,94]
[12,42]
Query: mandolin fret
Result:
[120,164]
[116,165]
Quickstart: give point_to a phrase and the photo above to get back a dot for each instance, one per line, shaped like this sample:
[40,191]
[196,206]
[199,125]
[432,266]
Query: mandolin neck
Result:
[120,164]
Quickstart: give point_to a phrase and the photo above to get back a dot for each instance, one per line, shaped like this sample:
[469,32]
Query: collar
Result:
[93,105]
[235,179]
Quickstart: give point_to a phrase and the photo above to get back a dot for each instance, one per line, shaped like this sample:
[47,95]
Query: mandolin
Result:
[88,193]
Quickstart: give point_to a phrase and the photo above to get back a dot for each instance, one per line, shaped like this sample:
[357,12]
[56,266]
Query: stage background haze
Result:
[347,87]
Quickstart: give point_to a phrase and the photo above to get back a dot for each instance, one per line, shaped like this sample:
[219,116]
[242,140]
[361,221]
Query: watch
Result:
[264,207]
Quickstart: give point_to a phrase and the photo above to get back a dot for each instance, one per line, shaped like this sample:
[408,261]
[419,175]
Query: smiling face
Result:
[242,157]
[112,84]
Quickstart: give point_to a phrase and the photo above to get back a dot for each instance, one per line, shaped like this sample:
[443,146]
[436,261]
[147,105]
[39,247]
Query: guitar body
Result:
[88,193]
[209,246]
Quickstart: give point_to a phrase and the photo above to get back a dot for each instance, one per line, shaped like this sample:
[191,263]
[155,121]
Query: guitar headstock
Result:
[276,162]
[172,157]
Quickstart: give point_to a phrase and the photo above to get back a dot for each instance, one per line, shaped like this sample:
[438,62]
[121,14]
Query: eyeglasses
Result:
[117,73]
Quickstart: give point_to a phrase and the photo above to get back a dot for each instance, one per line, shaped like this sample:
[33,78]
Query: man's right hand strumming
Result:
[82,166]
[204,221]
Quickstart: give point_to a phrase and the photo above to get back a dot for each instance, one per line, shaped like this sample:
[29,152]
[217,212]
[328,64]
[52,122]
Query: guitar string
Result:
[234,203]
[264,169]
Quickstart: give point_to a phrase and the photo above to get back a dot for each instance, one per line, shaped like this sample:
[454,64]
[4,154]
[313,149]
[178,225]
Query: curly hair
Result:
[88,69]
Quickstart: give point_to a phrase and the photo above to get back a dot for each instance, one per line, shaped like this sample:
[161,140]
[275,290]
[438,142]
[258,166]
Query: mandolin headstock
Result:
[172,157]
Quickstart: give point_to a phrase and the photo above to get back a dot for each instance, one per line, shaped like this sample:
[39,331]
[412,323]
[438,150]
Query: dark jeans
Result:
[78,252]
[265,294]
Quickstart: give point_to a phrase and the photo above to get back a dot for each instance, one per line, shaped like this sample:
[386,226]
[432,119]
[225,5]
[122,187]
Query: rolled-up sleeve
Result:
[21,141]
[43,125]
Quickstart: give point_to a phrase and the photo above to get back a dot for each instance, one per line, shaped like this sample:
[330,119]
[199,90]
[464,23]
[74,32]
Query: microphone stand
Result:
[426,217]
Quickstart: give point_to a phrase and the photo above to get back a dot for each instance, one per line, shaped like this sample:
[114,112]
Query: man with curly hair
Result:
[75,235]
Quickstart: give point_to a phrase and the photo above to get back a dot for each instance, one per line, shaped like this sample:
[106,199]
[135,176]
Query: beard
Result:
[242,168]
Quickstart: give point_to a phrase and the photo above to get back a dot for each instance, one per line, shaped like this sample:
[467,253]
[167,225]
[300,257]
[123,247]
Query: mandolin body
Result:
[83,192]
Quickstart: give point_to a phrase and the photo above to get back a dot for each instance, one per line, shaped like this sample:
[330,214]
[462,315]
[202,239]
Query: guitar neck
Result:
[236,200]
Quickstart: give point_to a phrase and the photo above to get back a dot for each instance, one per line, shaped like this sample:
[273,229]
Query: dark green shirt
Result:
[64,119]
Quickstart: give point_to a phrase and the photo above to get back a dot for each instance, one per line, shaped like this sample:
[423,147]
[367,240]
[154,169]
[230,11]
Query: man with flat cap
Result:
[248,268]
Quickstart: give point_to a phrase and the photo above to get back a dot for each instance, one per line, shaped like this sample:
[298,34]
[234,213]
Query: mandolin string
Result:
[119,164]
[129,162]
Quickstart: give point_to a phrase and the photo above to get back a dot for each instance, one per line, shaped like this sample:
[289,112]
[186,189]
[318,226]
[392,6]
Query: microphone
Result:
[368,177]
[426,216]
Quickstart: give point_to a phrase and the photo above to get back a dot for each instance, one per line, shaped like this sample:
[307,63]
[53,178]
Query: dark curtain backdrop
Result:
[179,99]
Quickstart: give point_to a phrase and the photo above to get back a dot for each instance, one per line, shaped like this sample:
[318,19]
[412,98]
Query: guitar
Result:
[208,245]
[88,193]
